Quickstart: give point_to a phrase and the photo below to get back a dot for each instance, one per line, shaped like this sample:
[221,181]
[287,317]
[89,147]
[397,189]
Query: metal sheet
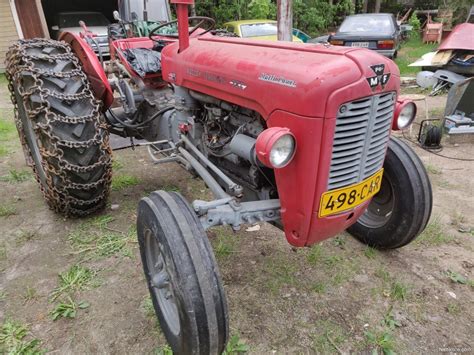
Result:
[462,37]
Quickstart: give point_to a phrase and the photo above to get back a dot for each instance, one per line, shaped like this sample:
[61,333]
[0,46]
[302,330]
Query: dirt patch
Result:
[338,296]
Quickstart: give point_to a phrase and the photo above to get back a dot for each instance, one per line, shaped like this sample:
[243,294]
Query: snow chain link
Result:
[19,62]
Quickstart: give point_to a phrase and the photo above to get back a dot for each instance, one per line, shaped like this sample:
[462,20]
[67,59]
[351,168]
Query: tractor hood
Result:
[269,76]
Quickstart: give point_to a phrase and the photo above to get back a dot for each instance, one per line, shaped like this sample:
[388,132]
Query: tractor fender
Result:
[92,68]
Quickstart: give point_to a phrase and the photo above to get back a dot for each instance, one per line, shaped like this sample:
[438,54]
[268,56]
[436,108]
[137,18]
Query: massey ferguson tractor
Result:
[297,135]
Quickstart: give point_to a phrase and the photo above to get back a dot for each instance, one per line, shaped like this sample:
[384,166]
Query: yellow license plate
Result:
[347,198]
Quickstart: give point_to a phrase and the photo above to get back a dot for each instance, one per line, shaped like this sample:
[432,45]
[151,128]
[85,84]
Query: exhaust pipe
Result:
[182,8]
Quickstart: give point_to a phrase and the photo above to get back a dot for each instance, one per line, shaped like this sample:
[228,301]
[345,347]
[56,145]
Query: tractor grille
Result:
[360,141]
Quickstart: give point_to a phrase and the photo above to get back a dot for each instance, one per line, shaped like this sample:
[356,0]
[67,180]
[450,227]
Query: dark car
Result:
[379,32]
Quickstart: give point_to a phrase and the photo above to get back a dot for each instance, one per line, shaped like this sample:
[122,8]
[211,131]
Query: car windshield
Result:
[258,29]
[361,24]
[90,19]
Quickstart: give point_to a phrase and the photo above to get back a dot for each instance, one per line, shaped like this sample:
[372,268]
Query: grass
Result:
[319,287]
[25,236]
[235,346]
[412,50]
[434,234]
[393,288]
[147,306]
[6,210]
[16,340]
[7,125]
[453,309]
[4,151]
[339,241]
[399,291]
[3,253]
[30,294]
[16,176]
[117,164]
[433,170]
[76,278]
[68,309]
[95,239]
[315,254]
[121,182]
[328,338]
[458,220]
[282,273]
[170,188]
[370,253]
[225,243]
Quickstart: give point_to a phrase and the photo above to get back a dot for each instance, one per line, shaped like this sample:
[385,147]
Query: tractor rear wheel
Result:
[182,275]
[402,207]
[62,130]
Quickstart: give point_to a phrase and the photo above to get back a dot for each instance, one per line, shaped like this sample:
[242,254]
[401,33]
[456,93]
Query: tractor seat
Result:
[144,60]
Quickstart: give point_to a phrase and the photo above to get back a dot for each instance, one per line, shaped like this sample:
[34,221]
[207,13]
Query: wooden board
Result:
[30,18]
[442,57]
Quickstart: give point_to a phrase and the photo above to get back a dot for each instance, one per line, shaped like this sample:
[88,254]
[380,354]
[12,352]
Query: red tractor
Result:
[297,135]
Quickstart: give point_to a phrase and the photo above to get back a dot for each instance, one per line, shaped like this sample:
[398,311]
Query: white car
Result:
[96,22]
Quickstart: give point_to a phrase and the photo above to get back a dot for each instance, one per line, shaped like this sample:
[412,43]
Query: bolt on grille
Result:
[360,140]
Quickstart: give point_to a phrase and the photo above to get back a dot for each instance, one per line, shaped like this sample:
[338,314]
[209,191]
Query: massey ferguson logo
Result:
[380,78]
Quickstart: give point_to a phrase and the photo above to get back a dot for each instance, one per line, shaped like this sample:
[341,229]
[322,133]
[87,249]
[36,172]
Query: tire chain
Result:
[20,61]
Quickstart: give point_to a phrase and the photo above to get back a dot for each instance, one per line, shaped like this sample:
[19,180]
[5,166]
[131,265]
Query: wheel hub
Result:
[381,207]
[160,282]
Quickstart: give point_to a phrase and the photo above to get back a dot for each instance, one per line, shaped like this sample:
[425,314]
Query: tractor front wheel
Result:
[182,275]
[402,207]
[62,130]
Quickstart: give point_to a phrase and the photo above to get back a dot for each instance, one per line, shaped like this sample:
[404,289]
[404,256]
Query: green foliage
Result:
[16,176]
[310,16]
[389,320]
[412,50]
[76,278]
[163,350]
[235,346]
[6,210]
[68,309]
[457,277]
[259,9]
[7,127]
[382,341]
[13,342]
[120,182]
[415,22]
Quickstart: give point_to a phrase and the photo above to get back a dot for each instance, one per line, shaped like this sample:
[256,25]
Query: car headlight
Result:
[276,147]
[405,114]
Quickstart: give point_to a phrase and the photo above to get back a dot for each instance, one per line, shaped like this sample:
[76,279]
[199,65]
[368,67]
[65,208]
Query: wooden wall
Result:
[8,32]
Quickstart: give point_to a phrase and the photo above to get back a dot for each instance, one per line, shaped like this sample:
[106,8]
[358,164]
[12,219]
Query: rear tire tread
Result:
[65,112]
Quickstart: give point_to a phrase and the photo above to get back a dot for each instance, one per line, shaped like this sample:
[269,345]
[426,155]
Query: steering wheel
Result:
[211,24]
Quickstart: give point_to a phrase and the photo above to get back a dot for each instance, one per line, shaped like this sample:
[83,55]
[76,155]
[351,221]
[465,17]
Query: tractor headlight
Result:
[276,147]
[405,114]
[282,151]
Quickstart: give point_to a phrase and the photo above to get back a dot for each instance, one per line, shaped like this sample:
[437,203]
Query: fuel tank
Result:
[298,86]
